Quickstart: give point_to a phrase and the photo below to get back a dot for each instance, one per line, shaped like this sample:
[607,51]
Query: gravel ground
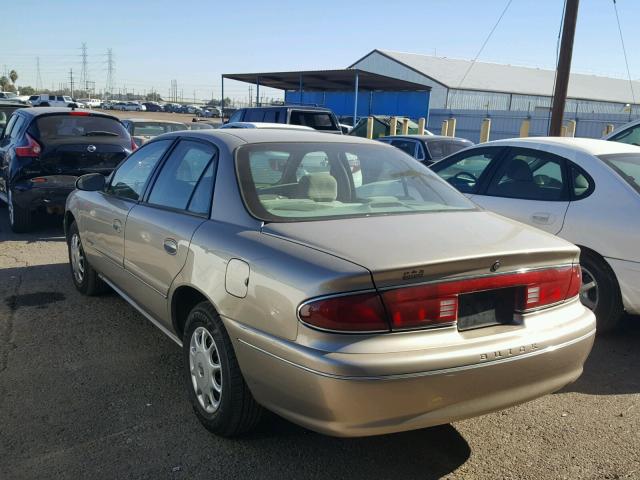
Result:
[90,389]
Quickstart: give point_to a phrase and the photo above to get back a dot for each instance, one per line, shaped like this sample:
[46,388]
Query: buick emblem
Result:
[495,266]
[91,148]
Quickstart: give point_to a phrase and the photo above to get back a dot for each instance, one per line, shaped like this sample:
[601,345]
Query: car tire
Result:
[19,217]
[600,291]
[85,278]
[224,404]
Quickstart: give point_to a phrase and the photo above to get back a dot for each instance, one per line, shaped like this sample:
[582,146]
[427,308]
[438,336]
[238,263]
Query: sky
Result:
[194,42]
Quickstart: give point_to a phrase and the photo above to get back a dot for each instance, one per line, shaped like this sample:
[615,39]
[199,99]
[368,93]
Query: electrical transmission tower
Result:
[38,76]
[84,73]
[110,70]
[71,80]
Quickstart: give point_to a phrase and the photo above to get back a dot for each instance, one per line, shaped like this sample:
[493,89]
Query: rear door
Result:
[529,186]
[159,230]
[103,222]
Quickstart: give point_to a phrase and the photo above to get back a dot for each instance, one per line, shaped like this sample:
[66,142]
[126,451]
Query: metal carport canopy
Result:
[327,80]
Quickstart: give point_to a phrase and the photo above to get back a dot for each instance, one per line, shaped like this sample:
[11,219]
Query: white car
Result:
[90,102]
[285,126]
[46,100]
[583,190]
[628,133]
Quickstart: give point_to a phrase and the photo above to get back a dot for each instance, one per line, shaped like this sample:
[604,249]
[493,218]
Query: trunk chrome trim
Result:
[442,371]
[148,316]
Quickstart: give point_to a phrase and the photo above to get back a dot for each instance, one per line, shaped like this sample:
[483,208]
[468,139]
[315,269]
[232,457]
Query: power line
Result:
[485,42]
[624,51]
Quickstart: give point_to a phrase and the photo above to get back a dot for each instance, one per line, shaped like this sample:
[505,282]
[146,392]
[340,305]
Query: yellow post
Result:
[571,128]
[405,126]
[563,131]
[608,128]
[445,127]
[421,122]
[485,130]
[524,128]
[370,127]
[393,126]
[451,129]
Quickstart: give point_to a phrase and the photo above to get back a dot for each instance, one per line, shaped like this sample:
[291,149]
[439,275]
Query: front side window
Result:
[529,176]
[465,172]
[181,174]
[236,117]
[626,166]
[254,116]
[630,136]
[407,146]
[336,180]
[129,180]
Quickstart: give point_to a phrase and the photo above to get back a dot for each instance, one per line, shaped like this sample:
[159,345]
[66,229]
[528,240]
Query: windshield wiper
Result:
[101,133]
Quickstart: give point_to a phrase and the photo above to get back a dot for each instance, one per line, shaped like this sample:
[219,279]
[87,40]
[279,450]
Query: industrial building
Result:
[463,85]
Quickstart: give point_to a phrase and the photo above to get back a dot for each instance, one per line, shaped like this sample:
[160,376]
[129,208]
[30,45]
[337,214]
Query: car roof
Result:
[42,111]
[264,125]
[267,135]
[591,146]
[291,107]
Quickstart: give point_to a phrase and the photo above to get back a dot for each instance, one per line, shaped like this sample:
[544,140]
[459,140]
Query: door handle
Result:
[117,225]
[170,246]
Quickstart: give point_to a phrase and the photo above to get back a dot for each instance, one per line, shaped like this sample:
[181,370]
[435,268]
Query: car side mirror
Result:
[345,129]
[91,182]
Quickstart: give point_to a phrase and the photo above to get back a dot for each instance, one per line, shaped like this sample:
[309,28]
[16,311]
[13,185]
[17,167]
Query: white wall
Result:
[382,65]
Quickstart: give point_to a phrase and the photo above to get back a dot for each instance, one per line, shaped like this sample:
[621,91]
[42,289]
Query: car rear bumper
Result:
[51,193]
[628,275]
[341,394]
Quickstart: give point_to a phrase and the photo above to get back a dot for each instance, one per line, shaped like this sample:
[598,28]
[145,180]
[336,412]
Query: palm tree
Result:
[13,75]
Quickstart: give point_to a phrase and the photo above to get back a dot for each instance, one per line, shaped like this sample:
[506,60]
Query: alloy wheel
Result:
[589,289]
[206,369]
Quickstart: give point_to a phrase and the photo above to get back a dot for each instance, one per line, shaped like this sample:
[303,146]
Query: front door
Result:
[103,223]
[159,229]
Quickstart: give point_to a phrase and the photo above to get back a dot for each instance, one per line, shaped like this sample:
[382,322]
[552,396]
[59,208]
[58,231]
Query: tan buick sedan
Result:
[333,280]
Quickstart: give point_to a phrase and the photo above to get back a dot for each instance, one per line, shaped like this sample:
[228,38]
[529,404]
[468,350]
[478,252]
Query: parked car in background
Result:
[9,97]
[201,126]
[46,100]
[291,287]
[210,112]
[265,125]
[134,107]
[317,118]
[153,107]
[119,106]
[143,129]
[90,102]
[7,107]
[629,133]
[586,191]
[43,151]
[427,149]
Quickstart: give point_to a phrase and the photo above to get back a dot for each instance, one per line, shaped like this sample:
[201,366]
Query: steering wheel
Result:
[465,176]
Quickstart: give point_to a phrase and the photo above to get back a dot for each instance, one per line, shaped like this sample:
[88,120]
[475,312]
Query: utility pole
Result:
[110,69]
[564,67]
[71,80]
[84,75]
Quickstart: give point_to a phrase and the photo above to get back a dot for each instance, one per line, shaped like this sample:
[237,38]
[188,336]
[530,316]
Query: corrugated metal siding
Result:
[505,124]
[407,104]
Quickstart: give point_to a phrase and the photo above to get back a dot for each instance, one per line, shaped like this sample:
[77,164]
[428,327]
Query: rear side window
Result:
[407,146]
[17,127]
[316,120]
[271,116]
[254,116]
[181,174]
[129,179]
[52,127]
[236,117]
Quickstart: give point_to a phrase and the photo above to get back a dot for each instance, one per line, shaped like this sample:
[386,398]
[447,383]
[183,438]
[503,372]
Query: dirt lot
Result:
[174,117]
[90,389]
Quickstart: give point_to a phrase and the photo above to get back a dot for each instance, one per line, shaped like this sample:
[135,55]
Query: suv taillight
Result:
[134,147]
[436,304]
[32,149]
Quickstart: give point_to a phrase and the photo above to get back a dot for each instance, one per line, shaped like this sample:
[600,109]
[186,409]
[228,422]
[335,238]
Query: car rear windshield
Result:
[287,182]
[625,165]
[315,120]
[53,127]
[440,149]
[155,128]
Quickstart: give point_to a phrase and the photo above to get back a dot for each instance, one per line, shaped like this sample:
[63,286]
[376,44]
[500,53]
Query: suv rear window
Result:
[316,120]
[52,127]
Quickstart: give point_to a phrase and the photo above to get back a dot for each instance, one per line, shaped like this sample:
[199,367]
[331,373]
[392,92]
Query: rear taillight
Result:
[357,313]
[32,149]
[436,304]
[134,147]
[76,113]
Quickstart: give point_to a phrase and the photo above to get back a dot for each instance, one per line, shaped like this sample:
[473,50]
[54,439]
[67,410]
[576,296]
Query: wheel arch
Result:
[68,220]
[183,299]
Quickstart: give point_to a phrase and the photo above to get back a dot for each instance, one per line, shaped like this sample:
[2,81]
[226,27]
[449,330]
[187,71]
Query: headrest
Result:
[518,170]
[320,187]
